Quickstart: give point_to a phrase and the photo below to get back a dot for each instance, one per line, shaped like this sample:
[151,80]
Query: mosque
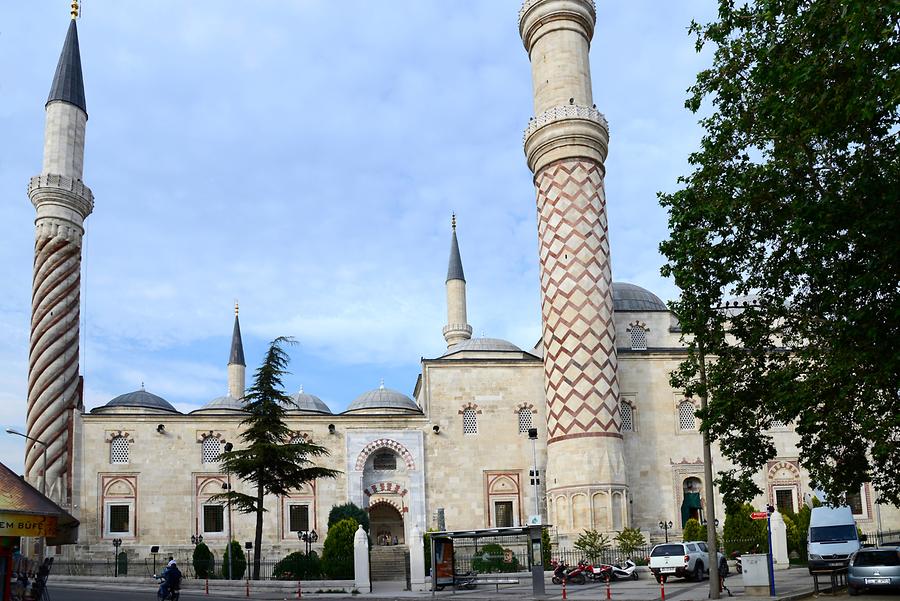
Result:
[615,447]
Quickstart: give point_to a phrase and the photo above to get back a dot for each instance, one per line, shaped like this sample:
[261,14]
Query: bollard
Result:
[662,588]
[564,588]
[608,591]
[248,587]
[299,592]
[207,584]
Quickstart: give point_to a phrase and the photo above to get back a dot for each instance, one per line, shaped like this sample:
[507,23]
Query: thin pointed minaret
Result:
[62,202]
[237,368]
[457,328]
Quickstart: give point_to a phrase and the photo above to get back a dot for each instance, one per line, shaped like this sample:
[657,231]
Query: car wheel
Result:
[853,591]
[634,575]
[698,572]
[658,578]
[555,580]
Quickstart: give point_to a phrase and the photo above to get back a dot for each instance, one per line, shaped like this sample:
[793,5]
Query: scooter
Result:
[563,572]
[172,595]
[737,560]
[624,571]
[600,573]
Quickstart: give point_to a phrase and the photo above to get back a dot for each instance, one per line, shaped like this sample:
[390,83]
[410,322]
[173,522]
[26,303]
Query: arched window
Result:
[627,413]
[210,449]
[118,450]
[686,418]
[470,422]
[525,421]
[638,338]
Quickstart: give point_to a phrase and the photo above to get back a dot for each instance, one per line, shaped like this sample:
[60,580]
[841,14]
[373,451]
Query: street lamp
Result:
[41,442]
[196,540]
[227,486]
[308,537]
[117,542]
[665,526]
[535,479]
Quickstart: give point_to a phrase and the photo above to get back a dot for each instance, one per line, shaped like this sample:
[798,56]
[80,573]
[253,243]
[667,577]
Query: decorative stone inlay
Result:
[527,406]
[386,487]
[469,405]
[203,435]
[560,113]
[111,434]
[384,443]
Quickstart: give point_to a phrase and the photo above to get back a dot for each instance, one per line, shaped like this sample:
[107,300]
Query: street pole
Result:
[228,448]
[711,541]
[532,434]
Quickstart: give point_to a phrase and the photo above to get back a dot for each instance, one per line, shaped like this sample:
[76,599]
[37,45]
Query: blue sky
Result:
[305,159]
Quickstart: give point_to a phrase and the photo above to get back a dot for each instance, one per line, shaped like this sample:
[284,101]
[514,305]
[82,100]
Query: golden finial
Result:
[236,308]
[453,221]
[74,9]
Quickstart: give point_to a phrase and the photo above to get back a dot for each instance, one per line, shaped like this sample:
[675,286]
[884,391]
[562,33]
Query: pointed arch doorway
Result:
[386,524]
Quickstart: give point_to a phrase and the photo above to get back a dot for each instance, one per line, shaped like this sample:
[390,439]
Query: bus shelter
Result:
[25,512]
[480,556]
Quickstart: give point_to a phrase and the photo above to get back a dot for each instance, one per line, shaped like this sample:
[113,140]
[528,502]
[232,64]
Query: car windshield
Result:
[877,558]
[832,534]
[667,551]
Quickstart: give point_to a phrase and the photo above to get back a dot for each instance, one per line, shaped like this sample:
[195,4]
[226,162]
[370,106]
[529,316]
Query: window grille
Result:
[638,338]
[119,519]
[784,500]
[298,516]
[525,421]
[298,439]
[470,423]
[118,450]
[211,449]
[686,418]
[855,501]
[777,424]
[213,518]
[627,413]
[503,513]
[385,462]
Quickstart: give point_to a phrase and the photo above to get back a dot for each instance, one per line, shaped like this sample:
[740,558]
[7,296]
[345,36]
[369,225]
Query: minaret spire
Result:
[62,202]
[457,328]
[237,368]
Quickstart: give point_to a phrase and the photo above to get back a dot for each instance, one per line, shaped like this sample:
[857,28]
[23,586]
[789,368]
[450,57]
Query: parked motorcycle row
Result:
[586,571]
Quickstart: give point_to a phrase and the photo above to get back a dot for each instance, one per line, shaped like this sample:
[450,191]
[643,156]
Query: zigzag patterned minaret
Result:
[566,146]
[63,202]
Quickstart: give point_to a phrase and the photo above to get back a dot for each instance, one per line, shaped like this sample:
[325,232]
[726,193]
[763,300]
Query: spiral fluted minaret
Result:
[62,202]
[566,146]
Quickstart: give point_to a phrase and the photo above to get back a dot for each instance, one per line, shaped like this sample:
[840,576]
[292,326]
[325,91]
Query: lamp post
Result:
[308,537]
[665,526]
[227,486]
[117,542]
[41,442]
[535,480]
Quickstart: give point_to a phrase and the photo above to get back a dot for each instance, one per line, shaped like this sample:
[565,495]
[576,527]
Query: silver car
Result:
[874,568]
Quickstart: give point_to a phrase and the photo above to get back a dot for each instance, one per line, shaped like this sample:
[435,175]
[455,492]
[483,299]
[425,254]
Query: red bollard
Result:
[662,588]
[207,585]
[299,592]
[608,591]
[564,588]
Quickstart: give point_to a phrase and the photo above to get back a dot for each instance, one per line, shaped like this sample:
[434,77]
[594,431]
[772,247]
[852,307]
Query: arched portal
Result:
[386,524]
[692,506]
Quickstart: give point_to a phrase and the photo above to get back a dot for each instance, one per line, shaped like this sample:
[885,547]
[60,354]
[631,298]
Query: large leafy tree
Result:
[793,201]
[268,461]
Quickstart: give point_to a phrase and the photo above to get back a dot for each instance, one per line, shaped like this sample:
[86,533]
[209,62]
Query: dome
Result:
[628,297]
[495,345]
[139,399]
[384,399]
[309,403]
[222,403]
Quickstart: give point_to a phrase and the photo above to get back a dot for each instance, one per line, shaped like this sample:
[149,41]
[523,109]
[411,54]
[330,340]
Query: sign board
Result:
[442,549]
[759,515]
[15,524]
[534,520]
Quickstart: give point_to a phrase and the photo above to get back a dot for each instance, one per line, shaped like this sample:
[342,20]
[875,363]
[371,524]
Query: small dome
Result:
[628,297]
[383,399]
[483,344]
[222,403]
[309,403]
[139,399]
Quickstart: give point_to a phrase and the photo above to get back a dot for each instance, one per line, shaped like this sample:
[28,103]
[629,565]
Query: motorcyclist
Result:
[171,579]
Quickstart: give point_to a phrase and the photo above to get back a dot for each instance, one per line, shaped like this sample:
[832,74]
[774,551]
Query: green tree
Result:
[693,530]
[546,548]
[203,561]
[337,554]
[742,533]
[298,566]
[238,561]
[270,464]
[793,200]
[348,510]
[629,540]
[592,544]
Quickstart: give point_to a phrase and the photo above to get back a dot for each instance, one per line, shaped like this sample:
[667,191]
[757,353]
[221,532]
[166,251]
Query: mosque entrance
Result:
[692,506]
[386,524]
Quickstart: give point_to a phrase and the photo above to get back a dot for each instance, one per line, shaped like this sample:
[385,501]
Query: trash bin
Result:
[756,574]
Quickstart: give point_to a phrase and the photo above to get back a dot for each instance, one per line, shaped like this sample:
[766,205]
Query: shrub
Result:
[238,562]
[742,533]
[299,566]
[592,544]
[546,548]
[348,510]
[490,559]
[630,539]
[203,561]
[337,555]
[692,531]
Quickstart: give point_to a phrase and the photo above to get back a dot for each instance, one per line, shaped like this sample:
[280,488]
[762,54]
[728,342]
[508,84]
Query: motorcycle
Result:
[624,571]
[736,556]
[574,575]
[173,594]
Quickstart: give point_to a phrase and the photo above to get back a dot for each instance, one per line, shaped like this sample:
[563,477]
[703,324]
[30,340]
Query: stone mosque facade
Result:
[616,445]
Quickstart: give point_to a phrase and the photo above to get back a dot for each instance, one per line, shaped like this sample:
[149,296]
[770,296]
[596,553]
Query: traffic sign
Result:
[759,515]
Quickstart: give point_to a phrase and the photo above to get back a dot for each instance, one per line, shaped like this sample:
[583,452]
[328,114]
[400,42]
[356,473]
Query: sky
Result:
[304,157]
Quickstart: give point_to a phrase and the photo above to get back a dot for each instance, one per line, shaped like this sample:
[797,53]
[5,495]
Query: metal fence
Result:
[218,569]
[881,538]
[611,555]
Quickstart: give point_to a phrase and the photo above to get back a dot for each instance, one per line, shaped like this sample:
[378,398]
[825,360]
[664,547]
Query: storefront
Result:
[25,512]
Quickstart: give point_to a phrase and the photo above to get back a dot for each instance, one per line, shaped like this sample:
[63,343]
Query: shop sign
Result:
[15,524]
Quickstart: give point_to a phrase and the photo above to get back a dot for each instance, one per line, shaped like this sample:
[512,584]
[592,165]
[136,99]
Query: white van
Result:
[832,538]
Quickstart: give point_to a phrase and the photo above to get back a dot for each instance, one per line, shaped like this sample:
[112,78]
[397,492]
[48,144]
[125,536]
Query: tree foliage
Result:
[546,549]
[269,462]
[203,561]
[348,510]
[793,201]
[337,554]
[491,558]
[592,543]
[742,533]
[630,539]
[298,566]
[238,561]
[693,531]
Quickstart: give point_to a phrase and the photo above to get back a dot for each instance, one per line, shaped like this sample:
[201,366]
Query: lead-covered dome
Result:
[222,404]
[309,403]
[628,297]
[139,401]
[383,400]
[496,345]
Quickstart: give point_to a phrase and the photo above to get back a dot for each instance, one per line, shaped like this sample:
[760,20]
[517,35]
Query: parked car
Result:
[683,560]
[874,568]
[832,538]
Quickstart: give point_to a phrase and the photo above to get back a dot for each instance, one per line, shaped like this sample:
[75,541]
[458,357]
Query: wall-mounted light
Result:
[331,428]
[161,428]
[436,428]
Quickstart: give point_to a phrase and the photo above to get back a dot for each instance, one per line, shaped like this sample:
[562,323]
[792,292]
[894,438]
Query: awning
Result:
[24,511]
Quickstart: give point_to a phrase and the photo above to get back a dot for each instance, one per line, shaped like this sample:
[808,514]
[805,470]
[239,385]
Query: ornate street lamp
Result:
[117,542]
[665,526]
[308,537]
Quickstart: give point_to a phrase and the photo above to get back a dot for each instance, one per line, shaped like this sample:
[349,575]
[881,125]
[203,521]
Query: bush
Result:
[238,562]
[203,561]
[629,540]
[345,511]
[490,559]
[337,555]
[693,531]
[802,530]
[592,544]
[742,533]
[299,566]
[546,546]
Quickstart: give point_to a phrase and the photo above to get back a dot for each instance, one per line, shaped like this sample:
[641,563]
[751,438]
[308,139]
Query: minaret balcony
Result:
[566,132]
